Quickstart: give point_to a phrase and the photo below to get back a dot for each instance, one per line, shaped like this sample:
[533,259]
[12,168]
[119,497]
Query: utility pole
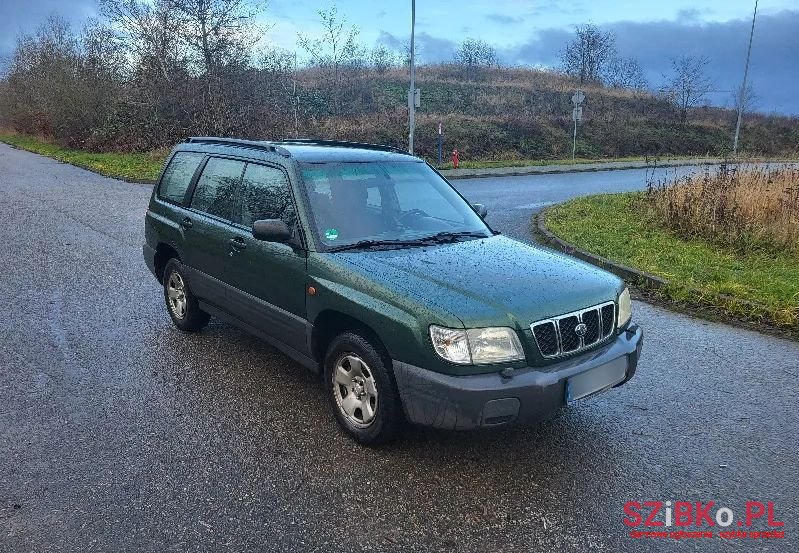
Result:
[412,91]
[296,99]
[742,93]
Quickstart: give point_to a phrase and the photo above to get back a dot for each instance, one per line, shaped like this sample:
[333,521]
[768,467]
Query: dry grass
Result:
[743,208]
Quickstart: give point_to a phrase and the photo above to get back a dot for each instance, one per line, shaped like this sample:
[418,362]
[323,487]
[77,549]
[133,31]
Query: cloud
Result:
[503,19]
[774,72]
[430,49]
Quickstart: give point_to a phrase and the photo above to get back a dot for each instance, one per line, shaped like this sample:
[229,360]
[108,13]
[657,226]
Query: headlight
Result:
[476,346]
[625,309]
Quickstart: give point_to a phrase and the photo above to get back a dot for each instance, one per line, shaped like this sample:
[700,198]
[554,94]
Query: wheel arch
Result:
[163,253]
[331,323]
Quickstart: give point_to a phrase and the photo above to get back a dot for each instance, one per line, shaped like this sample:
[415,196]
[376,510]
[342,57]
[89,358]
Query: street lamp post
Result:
[742,92]
[412,91]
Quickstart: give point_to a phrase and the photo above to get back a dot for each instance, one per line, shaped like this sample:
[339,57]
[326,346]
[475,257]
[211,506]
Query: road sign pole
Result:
[412,90]
[574,142]
[577,115]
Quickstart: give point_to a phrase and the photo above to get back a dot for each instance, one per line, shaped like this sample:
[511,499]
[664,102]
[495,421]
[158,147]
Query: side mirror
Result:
[271,230]
[481,210]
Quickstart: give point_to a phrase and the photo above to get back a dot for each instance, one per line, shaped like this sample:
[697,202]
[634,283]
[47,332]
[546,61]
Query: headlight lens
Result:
[476,346]
[625,308]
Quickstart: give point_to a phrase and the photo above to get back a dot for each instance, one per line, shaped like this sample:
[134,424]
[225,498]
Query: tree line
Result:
[149,73]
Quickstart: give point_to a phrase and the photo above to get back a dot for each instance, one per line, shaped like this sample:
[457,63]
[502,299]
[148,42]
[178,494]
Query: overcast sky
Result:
[534,32]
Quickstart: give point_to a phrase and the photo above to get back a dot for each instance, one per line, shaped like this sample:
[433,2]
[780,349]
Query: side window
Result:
[178,176]
[266,195]
[217,188]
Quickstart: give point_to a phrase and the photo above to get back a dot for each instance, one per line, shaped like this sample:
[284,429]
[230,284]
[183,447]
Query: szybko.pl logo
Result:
[701,520]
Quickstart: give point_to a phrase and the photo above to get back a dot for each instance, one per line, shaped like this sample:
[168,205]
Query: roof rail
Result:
[343,144]
[254,144]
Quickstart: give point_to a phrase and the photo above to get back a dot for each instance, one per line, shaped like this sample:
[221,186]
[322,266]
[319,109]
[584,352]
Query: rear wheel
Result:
[183,308]
[361,391]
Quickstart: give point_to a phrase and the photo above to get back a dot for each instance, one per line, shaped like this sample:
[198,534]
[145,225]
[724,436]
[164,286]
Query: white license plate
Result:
[596,380]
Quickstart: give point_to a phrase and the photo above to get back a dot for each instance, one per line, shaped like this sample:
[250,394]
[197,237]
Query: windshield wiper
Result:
[446,237]
[368,244]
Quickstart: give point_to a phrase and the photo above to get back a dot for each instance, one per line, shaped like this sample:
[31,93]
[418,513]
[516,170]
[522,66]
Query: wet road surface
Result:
[512,201]
[119,433]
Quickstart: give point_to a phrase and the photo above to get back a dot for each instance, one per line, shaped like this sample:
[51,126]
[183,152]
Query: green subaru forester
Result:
[364,264]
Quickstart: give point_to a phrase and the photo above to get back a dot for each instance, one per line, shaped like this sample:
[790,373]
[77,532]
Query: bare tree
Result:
[150,31]
[589,53]
[474,52]
[625,73]
[335,49]
[688,85]
[382,58]
[218,32]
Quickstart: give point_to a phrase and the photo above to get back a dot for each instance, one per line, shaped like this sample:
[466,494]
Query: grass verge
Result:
[140,167]
[757,286]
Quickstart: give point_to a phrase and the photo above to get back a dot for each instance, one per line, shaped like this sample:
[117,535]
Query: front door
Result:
[268,279]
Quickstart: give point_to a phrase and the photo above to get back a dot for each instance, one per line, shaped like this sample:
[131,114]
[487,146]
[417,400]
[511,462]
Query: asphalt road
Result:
[512,201]
[119,433]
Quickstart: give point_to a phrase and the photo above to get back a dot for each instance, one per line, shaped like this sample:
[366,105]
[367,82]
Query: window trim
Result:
[192,181]
[190,191]
[301,239]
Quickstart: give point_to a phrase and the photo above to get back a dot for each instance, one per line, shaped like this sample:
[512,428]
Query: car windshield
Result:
[377,203]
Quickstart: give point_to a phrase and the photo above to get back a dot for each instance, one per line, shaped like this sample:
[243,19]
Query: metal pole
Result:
[296,100]
[743,86]
[440,145]
[574,144]
[412,92]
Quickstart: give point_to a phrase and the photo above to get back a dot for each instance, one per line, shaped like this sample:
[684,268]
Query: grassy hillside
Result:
[526,114]
[488,114]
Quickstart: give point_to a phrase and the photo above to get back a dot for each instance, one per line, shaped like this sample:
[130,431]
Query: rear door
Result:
[268,279]
[209,227]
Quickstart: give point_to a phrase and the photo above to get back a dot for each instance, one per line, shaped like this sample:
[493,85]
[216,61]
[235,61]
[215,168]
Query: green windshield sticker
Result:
[331,234]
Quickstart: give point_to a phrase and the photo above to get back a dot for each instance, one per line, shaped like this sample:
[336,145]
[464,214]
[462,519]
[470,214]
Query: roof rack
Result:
[343,144]
[254,144]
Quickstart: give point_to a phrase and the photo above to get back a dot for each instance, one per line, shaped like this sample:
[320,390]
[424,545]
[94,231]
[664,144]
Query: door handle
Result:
[186,223]
[238,243]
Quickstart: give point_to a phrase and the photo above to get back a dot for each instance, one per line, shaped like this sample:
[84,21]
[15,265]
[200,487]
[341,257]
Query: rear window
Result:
[178,176]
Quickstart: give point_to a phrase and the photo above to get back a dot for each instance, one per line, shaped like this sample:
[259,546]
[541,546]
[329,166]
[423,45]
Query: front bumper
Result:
[468,402]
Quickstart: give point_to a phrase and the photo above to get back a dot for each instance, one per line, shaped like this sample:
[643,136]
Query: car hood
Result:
[493,281]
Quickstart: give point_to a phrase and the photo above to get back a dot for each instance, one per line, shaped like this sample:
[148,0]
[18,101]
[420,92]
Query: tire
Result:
[360,388]
[181,304]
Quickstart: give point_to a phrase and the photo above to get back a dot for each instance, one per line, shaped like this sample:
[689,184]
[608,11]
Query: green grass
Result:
[757,286]
[130,166]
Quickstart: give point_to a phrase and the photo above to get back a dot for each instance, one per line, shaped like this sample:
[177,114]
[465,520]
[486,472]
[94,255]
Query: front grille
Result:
[576,331]
[546,335]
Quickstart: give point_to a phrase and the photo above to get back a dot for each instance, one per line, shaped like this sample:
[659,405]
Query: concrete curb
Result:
[591,167]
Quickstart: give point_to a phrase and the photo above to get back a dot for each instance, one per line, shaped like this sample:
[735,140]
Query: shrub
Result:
[743,208]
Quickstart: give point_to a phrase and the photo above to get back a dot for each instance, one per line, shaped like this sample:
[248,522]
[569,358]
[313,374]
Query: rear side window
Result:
[217,189]
[266,195]
[178,176]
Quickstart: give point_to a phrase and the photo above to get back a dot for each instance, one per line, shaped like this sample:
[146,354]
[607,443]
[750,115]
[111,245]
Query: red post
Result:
[455,158]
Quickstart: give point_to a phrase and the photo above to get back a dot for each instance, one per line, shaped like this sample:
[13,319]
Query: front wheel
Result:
[183,308]
[361,391]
